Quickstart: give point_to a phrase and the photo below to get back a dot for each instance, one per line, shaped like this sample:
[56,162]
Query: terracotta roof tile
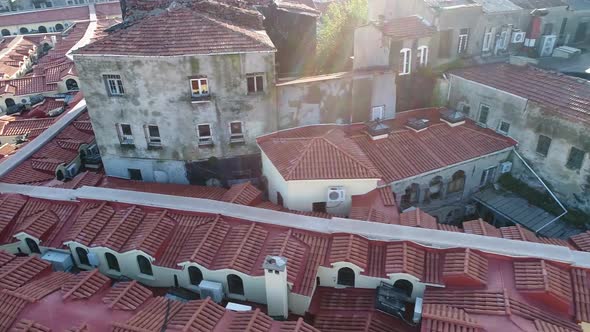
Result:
[39,224]
[250,321]
[518,233]
[21,270]
[543,278]
[410,27]
[555,242]
[121,227]
[92,219]
[376,260]
[418,218]
[432,268]
[48,15]
[449,228]
[26,86]
[127,295]
[5,257]
[182,242]
[465,267]
[10,206]
[14,127]
[475,302]
[205,242]
[582,241]
[243,194]
[151,317]
[241,248]
[561,94]
[480,227]
[202,315]
[405,258]
[37,289]
[80,328]
[439,317]
[26,325]
[84,285]
[349,248]
[318,249]
[44,219]
[533,313]
[287,245]
[377,205]
[10,308]
[179,32]
[581,292]
[151,234]
[297,326]
[346,322]
[543,326]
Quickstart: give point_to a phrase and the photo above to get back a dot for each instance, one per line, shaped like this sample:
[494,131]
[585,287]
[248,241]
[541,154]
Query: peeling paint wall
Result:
[157,92]
[527,121]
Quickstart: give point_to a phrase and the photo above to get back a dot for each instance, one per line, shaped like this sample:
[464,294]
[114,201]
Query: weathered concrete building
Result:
[178,87]
[547,113]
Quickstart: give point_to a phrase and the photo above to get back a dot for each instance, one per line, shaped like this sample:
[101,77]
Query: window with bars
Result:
[152,133]
[255,83]
[114,85]
[236,132]
[204,133]
[125,134]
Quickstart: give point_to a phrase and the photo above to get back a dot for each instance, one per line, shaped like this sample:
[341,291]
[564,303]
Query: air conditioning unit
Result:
[71,171]
[505,167]
[417,311]
[336,194]
[518,37]
[546,45]
[211,289]
[60,261]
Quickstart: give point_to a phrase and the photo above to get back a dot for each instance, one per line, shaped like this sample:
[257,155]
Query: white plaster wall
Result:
[118,167]
[276,182]
[371,48]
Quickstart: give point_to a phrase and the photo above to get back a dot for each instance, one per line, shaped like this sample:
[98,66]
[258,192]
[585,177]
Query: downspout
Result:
[549,190]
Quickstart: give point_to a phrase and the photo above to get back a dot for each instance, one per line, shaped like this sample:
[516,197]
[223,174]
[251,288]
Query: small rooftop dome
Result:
[378,130]
[417,125]
[452,117]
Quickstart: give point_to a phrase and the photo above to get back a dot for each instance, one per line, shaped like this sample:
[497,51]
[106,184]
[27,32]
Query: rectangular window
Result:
[487,40]
[575,159]
[114,85]
[405,61]
[319,207]
[204,132]
[422,56]
[255,83]
[504,127]
[484,112]
[236,132]
[487,176]
[152,133]
[377,113]
[543,145]
[463,40]
[125,134]
[562,28]
[199,87]
[134,174]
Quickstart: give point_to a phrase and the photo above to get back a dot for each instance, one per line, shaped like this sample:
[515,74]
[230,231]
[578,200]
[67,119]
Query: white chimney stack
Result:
[277,290]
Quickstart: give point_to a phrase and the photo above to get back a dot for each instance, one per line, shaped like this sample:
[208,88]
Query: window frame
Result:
[255,77]
[232,290]
[579,161]
[191,276]
[86,260]
[503,132]
[550,140]
[112,265]
[117,84]
[405,61]
[423,56]
[236,137]
[381,109]
[131,170]
[463,41]
[200,95]
[147,270]
[481,106]
[487,41]
[205,140]
[152,141]
[125,139]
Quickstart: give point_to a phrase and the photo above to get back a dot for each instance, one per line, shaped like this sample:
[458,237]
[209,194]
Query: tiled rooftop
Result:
[179,32]
[562,95]
[407,28]
[336,152]
[48,15]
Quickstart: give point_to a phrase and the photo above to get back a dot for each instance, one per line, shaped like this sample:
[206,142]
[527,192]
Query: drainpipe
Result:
[549,190]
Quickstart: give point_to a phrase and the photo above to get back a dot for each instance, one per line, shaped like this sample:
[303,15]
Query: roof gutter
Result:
[546,187]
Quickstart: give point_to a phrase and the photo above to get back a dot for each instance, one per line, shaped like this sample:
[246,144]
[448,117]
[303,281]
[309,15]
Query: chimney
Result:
[277,290]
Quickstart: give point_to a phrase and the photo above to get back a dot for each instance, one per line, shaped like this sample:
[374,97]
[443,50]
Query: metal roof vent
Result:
[378,130]
[417,125]
[452,117]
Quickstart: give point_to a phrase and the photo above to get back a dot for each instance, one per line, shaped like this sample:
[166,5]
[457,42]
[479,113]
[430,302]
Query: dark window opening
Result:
[42,29]
[59,27]
[135,174]
[72,85]
[346,277]
[484,112]
[82,256]
[5,32]
[255,83]
[59,175]
[410,196]
[175,281]
[112,262]
[145,267]
[195,275]
[319,207]
[280,199]
[543,145]
[33,246]
[9,102]
[435,189]
[24,30]
[580,35]
[575,158]
[235,284]
[457,182]
[405,286]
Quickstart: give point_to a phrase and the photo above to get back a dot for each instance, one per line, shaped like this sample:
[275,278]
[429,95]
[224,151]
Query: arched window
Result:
[405,286]
[72,85]
[59,27]
[42,29]
[24,30]
[9,102]
[112,262]
[346,277]
[435,188]
[82,255]
[46,47]
[457,182]
[405,61]
[422,56]
[33,246]
[410,196]
[235,284]
[59,175]
[145,267]
[195,275]
[5,32]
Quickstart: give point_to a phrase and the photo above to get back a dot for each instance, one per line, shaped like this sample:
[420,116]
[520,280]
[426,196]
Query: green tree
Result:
[336,34]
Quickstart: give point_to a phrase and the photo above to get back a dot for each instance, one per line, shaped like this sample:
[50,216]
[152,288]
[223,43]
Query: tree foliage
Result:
[336,33]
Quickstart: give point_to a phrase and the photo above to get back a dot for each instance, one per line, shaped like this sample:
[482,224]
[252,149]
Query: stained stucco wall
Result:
[527,121]
[157,91]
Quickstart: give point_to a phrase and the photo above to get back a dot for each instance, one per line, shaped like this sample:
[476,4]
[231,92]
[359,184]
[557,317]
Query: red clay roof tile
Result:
[165,188]
[37,225]
[349,248]
[418,218]
[480,227]
[241,248]
[37,289]
[202,315]
[439,317]
[5,257]
[250,321]
[182,242]
[318,249]
[376,260]
[518,233]
[581,292]
[47,15]
[127,295]
[405,258]
[120,228]
[409,27]
[26,325]
[205,243]
[151,317]
[151,234]
[582,241]
[432,268]
[377,205]
[84,285]
[465,267]
[21,270]
[542,278]
[243,194]
[297,326]
[13,127]
[88,224]
[10,308]
[286,245]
